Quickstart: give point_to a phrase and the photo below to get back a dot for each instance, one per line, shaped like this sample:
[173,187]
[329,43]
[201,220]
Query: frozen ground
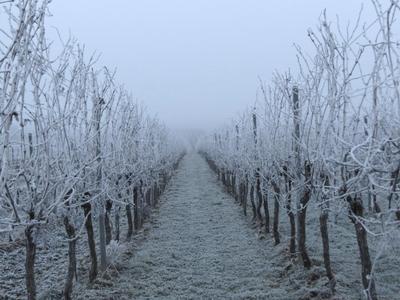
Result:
[198,245]
[201,247]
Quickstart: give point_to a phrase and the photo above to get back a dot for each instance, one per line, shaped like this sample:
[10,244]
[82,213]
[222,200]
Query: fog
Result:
[195,64]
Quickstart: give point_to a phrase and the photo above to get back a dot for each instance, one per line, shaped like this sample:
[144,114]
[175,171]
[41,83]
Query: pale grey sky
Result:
[195,63]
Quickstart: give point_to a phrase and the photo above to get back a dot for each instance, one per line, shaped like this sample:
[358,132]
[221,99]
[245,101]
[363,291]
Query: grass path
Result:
[199,246]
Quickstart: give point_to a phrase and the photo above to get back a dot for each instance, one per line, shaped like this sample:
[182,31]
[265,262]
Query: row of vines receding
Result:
[76,151]
[323,147]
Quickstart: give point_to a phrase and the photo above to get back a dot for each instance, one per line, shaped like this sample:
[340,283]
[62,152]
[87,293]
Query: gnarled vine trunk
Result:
[356,215]
[107,221]
[117,222]
[130,220]
[253,205]
[323,222]
[260,203]
[301,215]
[277,192]
[30,262]
[87,208]
[70,229]
[136,208]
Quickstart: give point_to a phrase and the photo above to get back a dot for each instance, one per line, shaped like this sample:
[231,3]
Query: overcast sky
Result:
[195,63]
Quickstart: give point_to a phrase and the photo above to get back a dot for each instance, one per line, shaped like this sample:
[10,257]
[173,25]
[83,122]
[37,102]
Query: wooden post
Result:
[303,196]
[97,112]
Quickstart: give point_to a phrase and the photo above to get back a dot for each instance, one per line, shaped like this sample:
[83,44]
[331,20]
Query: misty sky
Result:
[195,63]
